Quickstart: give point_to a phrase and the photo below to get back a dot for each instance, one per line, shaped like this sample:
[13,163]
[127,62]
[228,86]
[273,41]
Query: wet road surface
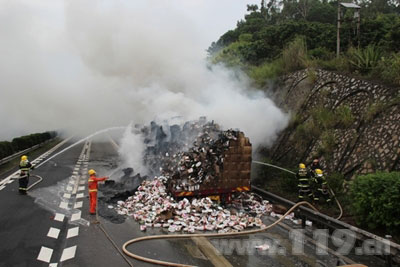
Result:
[51,226]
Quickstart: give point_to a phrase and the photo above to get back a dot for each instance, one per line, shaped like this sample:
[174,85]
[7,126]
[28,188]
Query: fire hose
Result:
[165,263]
[40,179]
[286,170]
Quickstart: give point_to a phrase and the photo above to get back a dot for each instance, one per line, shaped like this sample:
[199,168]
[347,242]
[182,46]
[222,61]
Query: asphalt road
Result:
[51,226]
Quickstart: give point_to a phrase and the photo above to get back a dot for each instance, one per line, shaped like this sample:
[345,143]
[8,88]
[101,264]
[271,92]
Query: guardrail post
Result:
[388,257]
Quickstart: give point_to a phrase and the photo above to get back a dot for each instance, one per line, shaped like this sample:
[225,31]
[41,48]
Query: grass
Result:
[379,107]
[32,155]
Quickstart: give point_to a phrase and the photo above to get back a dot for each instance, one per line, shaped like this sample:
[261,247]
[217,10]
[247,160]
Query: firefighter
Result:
[303,177]
[315,165]
[93,185]
[321,187]
[25,166]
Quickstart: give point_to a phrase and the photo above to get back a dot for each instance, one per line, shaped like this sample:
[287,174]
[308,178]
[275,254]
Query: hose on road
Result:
[165,263]
[286,170]
[40,179]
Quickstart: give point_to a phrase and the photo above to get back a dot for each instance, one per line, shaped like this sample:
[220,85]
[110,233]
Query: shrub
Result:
[336,182]
[344,116]
[376,200]
[389,69]
[324,117]
[364,60]
[294,56]
[321,53]
[6,149]
[335,64]
[328,144]
[267,71]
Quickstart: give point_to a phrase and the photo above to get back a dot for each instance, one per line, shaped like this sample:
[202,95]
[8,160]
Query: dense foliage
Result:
[260,41]
[376,200]
[23,142]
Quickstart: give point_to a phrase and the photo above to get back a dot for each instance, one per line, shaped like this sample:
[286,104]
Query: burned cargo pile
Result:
[153,207]
[213,162]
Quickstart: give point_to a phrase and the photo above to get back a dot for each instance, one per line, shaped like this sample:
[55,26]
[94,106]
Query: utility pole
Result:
[338,32]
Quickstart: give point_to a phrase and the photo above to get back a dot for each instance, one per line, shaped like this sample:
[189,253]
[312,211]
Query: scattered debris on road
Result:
[153,207]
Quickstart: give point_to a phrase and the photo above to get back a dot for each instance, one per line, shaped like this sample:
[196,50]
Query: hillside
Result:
[345,109]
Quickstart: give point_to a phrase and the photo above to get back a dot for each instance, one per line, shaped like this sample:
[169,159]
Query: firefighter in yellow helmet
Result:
[321,187]
[25,166]
[93,186]
[303,177]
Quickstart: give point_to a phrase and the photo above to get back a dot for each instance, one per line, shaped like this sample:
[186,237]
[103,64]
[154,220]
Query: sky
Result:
[82,66]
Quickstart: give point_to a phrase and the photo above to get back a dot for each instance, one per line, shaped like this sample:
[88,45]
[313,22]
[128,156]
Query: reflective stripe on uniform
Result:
[90,180]
[92,190]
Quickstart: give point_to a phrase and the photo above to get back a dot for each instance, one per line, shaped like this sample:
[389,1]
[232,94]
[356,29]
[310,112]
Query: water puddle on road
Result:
[50,198]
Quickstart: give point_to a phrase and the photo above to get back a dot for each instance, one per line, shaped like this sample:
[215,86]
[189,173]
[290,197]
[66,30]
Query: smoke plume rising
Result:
[90,65]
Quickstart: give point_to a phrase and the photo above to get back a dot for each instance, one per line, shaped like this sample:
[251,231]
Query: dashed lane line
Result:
[68,253]
[76,216]
[78,205]
[59,217]
[72,232]
[64,205]
[45,254]
[53,232]
[80,195]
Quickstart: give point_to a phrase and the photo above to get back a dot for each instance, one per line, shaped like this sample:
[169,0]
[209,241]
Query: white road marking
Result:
[76,216]
[75,173]
[53,264]
[78,205]
[2,187]
[82,182]
[9,182]
[53,232]
[73,232]
[66,195]
[64,205]
[45,254]
[80,195]
[59,217]
[81,188]
[68,253]
[69,188]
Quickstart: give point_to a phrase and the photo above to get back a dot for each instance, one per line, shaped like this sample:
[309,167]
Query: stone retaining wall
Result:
[371,143]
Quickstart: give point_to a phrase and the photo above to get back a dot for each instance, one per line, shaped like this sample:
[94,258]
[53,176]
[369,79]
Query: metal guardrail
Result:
[331,223]
[13,156]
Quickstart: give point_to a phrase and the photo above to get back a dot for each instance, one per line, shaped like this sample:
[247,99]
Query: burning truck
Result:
[200,159]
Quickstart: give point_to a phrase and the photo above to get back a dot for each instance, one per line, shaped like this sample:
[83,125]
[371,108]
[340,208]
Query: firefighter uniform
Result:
[25,166]
[321,187]
[303,178]
[93,186]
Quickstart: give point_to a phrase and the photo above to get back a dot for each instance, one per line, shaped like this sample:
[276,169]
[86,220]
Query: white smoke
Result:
[132,148]
[109,63]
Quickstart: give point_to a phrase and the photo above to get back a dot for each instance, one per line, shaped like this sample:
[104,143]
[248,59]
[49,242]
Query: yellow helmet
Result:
[318,171]
[24,157]
[91,172]
[302,166]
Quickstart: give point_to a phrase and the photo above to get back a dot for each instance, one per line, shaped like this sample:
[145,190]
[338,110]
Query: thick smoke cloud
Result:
[108,63]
